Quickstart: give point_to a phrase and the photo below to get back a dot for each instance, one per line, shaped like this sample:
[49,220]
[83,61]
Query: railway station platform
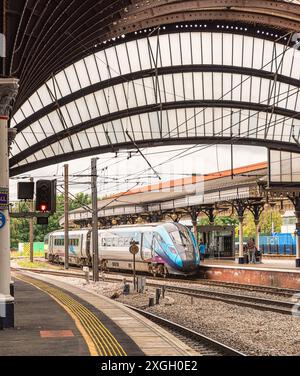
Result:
[271,272]
[56,319]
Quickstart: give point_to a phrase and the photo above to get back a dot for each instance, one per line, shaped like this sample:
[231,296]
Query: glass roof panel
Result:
[92,69]
[188,48]
[64,87]
[72,78]
[204,47]
[82,74]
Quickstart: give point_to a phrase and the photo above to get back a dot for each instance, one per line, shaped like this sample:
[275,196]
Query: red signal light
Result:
[43,208]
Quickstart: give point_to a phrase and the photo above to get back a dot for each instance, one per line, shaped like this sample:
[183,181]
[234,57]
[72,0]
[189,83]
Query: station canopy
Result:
[100,76]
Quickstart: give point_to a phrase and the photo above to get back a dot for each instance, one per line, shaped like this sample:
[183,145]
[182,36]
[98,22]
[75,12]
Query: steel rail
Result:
[205,345]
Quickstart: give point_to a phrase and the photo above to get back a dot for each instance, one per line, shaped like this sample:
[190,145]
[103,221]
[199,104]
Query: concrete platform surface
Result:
[42,319]
[42,327]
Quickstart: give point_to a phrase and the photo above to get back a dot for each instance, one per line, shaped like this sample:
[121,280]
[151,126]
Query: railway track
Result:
[284,292]
[266,304]
[278,306]
[203,344]
[287,293]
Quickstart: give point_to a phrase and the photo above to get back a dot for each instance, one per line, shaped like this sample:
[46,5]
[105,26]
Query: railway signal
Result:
[46,196]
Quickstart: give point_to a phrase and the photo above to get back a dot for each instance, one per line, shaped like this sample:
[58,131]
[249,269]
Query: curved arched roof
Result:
[44,36]
[166,72]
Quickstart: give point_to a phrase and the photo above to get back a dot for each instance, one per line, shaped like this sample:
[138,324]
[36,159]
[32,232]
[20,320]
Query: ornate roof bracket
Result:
[8,92]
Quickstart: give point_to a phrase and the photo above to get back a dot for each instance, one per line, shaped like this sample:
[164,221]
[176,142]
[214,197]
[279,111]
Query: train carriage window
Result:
[121,242]
[74,242]
[108,242]
[59,242]
[127,242]
[115,242]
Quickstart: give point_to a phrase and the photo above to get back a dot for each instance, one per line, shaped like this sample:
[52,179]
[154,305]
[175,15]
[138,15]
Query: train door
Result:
[50,245]
[147,245]
[88,246]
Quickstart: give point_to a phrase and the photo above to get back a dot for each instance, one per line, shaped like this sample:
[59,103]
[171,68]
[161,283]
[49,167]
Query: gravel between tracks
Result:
[250,331]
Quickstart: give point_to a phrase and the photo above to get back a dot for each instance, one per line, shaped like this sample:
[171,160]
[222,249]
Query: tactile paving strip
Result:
[100,340]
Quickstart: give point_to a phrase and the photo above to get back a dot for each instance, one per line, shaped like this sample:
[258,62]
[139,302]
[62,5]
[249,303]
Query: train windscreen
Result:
[181,237]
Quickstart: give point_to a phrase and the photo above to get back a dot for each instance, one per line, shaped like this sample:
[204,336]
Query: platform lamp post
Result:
[8,93]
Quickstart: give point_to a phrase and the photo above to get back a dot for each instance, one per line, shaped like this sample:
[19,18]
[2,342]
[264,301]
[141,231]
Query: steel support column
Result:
[95,220]
[256,209]
[194,213]
[240,207]
[8,92]
[209,211]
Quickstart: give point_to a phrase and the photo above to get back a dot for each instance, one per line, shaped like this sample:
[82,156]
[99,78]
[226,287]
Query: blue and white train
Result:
[165,248]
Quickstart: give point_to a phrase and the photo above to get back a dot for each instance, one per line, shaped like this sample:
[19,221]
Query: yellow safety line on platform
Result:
[99,339]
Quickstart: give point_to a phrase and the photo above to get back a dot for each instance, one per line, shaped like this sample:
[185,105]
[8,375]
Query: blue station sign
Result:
[2,220]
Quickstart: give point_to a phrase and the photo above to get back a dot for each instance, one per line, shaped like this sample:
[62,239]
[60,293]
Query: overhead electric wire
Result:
[143,156]
[119,196]
[229,91]
[290,93]
[211,145]
[203,148]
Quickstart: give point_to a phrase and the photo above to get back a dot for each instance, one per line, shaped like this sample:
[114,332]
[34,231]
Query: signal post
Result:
[8,92]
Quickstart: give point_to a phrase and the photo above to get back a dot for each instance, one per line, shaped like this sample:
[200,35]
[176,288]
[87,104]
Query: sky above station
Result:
[127,169]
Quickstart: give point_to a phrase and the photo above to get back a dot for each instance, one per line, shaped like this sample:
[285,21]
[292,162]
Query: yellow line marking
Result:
[86,337]
[99,339]
[104,338]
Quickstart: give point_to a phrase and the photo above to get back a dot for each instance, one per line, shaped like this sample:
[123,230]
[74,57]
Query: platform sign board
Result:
[4,200]
[284,169]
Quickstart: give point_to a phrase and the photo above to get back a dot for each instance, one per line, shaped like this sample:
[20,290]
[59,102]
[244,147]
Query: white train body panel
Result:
[166,247]
[78,250]
[114,247]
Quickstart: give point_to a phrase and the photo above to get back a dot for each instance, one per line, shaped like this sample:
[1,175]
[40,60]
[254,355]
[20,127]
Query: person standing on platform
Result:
[251,251]
[202,250]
